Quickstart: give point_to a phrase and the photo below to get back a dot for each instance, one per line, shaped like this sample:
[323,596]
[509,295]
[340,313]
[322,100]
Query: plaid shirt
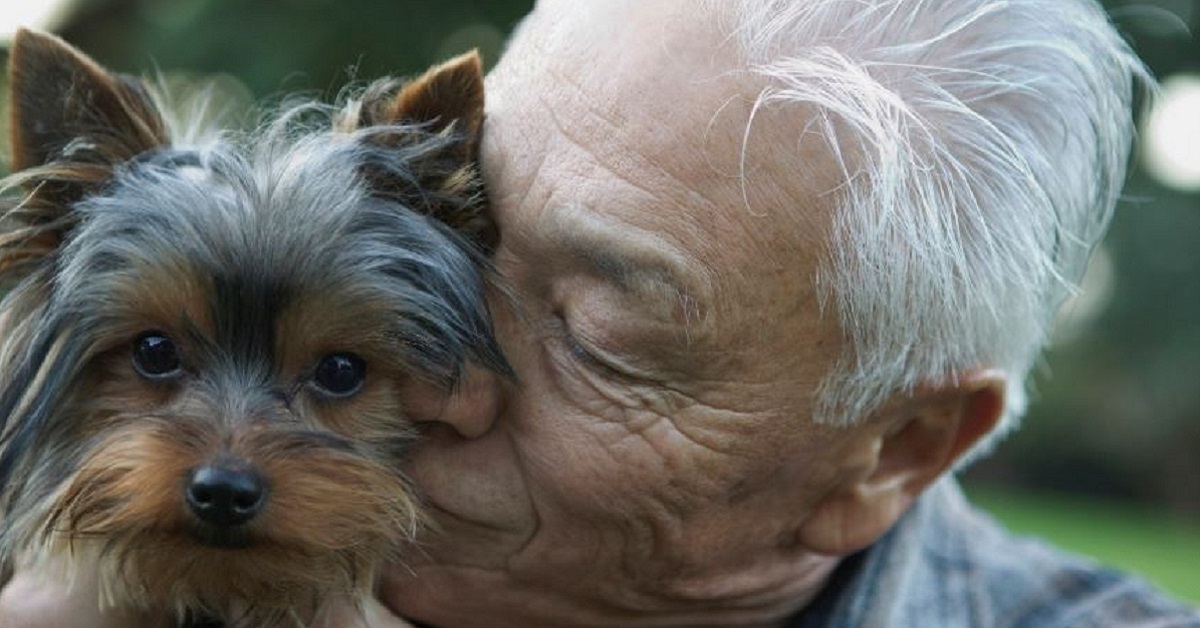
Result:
[945,565]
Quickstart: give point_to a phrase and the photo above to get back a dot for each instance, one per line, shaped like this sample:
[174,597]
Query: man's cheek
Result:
[476,482]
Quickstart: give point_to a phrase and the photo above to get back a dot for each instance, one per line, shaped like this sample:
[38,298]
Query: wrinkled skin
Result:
[656,458]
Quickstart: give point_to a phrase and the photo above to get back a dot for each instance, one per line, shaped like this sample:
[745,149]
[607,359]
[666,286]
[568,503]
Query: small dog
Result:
[206,347]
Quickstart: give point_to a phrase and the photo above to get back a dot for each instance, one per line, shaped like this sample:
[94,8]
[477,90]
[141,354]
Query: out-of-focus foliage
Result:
[1160,547]
[1117,407]
[1118,404]
[287,45]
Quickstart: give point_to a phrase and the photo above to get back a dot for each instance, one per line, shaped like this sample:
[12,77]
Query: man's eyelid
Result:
[589,350]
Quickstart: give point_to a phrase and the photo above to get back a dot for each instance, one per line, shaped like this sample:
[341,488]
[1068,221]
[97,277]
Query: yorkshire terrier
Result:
[206,347]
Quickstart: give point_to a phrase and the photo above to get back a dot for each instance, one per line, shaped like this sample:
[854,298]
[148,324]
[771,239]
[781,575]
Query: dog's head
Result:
[212,347]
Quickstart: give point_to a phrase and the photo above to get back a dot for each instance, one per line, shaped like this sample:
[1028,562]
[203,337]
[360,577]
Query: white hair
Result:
[984,146]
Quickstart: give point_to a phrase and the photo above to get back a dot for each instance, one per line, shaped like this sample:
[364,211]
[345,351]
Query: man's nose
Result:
[470,409]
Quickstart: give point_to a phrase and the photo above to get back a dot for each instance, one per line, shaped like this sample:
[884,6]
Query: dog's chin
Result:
[209,571]
[235,538]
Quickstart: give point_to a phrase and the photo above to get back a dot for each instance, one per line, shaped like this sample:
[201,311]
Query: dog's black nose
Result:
[225,497]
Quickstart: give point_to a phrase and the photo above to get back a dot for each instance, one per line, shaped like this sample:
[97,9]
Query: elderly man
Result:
[777,268]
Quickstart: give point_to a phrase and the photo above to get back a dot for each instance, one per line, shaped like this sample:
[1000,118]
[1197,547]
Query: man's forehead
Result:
[662,112]
[663,78]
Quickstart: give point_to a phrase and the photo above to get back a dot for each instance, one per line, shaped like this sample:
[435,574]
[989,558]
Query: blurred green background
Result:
[1108,461]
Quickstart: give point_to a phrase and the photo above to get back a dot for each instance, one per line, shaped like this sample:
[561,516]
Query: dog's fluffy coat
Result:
[357,230]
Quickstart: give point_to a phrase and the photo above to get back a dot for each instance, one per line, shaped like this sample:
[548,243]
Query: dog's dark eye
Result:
[155,356]
[340,374]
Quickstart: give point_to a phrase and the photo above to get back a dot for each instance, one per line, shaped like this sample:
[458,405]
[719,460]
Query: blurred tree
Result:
[276,45]
[1117,407]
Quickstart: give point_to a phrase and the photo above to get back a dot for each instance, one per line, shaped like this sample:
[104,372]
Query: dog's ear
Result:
[435,121]
[446,99]
[71,124]
[69,113]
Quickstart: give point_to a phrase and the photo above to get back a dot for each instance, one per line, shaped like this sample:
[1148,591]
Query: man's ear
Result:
[898,454]
[65,106]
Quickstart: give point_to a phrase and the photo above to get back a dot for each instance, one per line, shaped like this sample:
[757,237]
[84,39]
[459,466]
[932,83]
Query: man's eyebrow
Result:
[636,265]
[628,271]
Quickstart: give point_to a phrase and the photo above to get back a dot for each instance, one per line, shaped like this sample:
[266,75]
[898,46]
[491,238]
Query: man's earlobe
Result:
[900,453]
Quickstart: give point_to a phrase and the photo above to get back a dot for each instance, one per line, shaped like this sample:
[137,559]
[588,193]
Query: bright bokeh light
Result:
[43,14]
[1171,136]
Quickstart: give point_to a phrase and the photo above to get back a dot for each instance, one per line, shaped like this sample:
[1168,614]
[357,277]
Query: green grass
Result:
[1163,550]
